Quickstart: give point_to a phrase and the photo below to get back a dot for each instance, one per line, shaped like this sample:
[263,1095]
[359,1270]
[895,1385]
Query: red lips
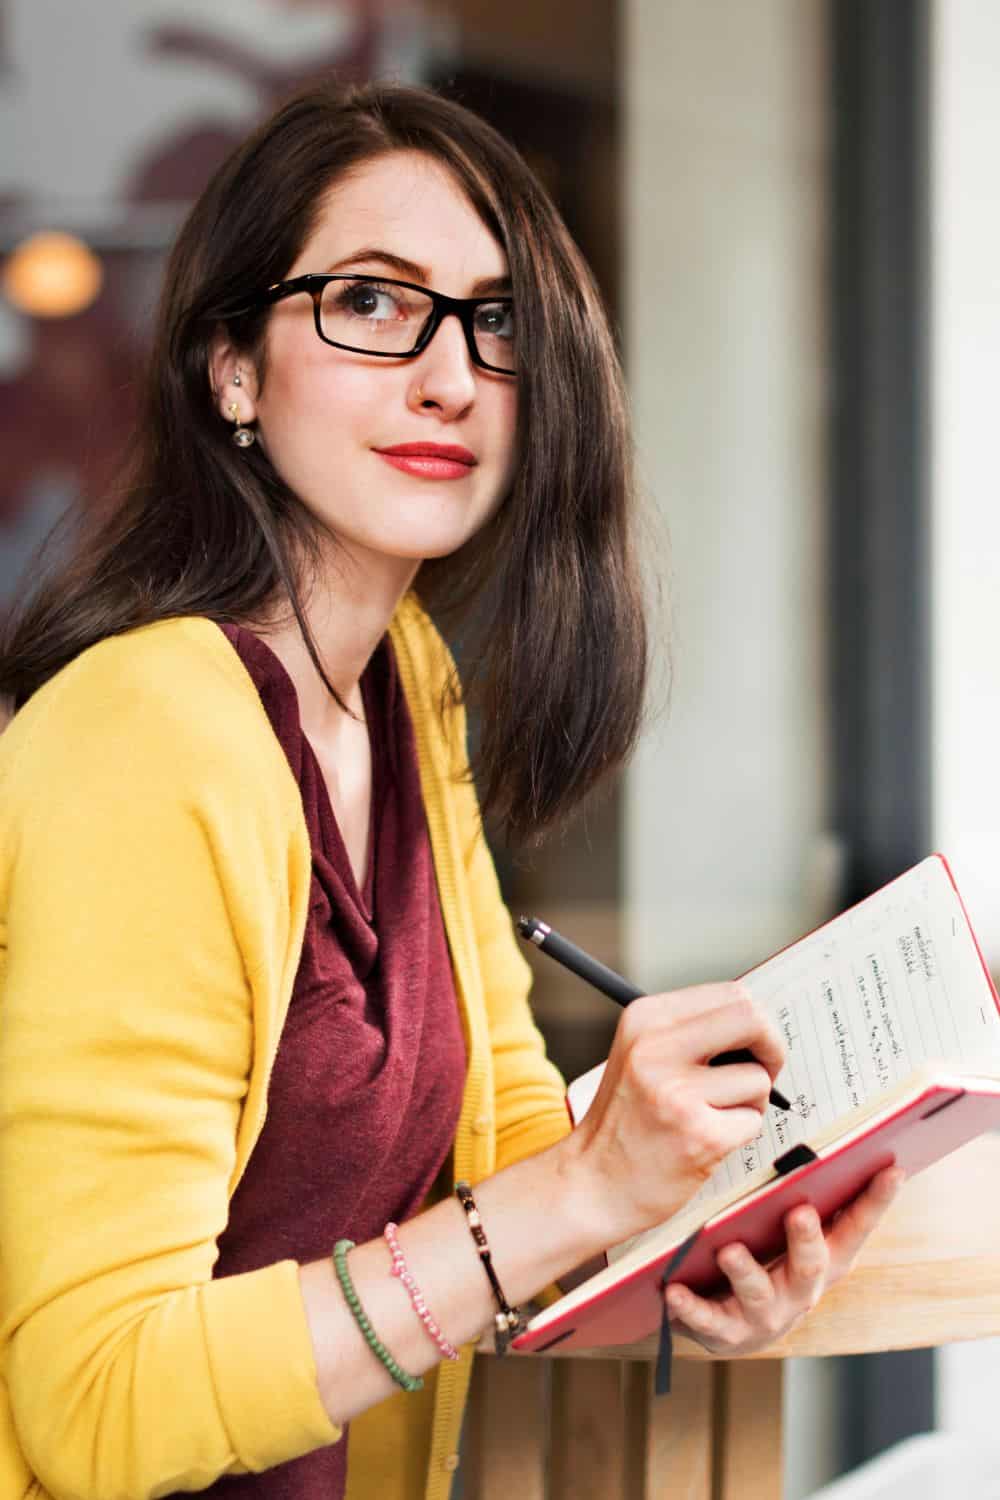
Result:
[450,451]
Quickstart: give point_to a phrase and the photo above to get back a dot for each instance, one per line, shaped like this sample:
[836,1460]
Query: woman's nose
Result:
[443,374]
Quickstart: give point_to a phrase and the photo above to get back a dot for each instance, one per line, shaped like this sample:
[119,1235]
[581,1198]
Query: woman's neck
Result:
[348,611]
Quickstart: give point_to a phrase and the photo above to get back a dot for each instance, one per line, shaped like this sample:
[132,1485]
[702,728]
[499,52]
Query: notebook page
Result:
[892,983]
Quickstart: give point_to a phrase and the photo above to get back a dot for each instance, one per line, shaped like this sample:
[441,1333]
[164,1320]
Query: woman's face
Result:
[326,415]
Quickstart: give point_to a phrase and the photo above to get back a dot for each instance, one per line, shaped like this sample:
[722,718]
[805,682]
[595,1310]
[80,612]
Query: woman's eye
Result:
[370,301]
[496,320]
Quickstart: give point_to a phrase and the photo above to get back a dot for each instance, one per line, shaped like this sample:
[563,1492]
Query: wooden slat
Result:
[669,1438]
[747,1458]
[507,1432]
[587,1454]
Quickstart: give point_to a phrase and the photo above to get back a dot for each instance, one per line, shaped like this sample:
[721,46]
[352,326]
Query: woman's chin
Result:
[421,544]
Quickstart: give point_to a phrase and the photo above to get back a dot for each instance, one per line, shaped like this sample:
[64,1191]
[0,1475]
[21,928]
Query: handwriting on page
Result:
[891,985]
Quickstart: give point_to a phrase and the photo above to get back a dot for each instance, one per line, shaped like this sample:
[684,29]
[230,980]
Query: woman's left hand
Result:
[763,1304]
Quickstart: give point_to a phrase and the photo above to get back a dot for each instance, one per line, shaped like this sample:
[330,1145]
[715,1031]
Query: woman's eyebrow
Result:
[489,286]
[409,269]
[406,268]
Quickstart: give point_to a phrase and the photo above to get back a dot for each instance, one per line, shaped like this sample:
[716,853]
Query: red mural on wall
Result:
[182,164]
[67,408]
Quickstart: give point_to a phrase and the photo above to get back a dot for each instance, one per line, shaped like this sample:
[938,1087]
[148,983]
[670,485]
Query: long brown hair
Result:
[555,664]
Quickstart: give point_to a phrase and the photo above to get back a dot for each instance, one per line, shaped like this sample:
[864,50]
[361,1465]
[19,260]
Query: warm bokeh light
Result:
[52,275]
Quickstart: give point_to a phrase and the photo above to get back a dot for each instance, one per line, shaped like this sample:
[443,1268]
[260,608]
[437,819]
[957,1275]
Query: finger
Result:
[702,1319]
[736,1126]
[737,1083]
[751,1284]
[807,1263]
[678,1006]
[856,1221]
[729,1027]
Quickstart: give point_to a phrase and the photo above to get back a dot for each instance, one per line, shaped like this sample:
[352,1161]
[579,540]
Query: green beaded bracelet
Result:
[399,1375]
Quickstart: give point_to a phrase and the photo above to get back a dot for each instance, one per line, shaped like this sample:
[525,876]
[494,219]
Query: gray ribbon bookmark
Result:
[665,1355]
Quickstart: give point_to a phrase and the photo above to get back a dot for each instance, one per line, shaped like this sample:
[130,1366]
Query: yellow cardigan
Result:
[154,881]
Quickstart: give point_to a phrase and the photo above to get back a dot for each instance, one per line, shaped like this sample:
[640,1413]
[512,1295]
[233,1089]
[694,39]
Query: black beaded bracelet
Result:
[508,1320]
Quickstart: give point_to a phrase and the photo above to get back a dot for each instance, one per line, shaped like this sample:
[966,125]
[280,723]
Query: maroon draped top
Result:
[367,1084]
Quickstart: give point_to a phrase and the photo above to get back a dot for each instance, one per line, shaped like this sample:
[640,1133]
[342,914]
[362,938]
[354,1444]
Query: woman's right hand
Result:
[662,1119]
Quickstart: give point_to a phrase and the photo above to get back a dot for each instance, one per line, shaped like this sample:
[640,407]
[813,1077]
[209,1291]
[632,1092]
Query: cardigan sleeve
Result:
[151,908]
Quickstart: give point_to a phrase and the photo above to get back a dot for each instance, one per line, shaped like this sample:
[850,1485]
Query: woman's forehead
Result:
[412,207]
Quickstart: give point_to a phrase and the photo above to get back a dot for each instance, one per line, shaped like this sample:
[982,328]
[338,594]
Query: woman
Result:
[260,995]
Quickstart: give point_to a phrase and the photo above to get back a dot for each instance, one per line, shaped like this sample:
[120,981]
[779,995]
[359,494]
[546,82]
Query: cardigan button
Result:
[450,1464]
[482,1123]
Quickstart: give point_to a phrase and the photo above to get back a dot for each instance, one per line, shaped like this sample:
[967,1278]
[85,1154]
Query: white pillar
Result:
[725,298]
[965,483]
[966,518]
[726,204]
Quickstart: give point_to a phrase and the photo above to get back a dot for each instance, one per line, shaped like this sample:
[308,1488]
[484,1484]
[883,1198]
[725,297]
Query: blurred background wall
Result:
[965,541]
[727,844]
[790,208]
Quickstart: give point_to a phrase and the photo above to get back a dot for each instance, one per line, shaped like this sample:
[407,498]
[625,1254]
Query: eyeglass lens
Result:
[380,318]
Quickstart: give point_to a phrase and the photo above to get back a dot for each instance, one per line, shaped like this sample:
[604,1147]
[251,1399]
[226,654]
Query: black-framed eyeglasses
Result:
[397,319]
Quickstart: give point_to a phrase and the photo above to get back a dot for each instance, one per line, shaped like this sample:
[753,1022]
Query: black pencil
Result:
[614,985]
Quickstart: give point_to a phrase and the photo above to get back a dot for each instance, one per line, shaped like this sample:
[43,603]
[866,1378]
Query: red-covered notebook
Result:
[892,1024]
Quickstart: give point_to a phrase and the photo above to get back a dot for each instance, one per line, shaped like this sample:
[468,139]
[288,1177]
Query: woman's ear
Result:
[234,383]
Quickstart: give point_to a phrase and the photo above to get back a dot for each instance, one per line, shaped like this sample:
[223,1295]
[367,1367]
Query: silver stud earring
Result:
[237,378]
[242,437]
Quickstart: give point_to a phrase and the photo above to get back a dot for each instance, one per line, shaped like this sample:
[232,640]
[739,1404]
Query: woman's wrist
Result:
[540,1226]
[551,1197]
[583,1199]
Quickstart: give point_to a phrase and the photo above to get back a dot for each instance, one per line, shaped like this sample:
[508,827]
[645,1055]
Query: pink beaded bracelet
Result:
[399,1268]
